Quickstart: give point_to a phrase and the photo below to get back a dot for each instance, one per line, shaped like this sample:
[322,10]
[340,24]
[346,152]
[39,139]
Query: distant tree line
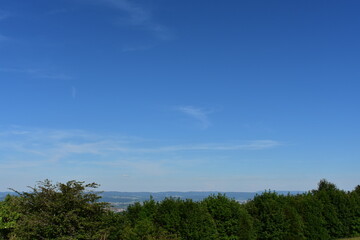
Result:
[73,210]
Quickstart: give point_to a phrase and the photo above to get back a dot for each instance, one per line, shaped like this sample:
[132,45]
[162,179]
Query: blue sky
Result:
[184,95]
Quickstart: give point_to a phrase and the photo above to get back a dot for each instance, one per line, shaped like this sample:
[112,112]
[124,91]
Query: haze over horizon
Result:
[180,95]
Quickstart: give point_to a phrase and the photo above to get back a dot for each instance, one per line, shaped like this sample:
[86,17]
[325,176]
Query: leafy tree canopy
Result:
[59,211]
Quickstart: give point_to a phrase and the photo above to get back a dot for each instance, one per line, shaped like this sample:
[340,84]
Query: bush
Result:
[59,211]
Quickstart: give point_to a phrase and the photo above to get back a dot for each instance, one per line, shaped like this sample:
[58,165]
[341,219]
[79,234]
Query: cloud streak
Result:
[37,73]
[138,16]
[57,145]
[73,92]
[48,152]
[3,38]
[197,113]
[3,15]
[249,145]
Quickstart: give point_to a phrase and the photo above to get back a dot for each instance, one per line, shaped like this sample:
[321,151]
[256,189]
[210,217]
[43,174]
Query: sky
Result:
[165,95]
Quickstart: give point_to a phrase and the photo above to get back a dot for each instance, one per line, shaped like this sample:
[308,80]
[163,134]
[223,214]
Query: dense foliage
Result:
[72,211]
[53,211]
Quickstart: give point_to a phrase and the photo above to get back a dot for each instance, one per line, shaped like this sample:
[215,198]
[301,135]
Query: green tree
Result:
[141,223]
[231,218]
[60,211]
[177,219]
[168,216]
[310,210]
[8,217]
[334,202]
[196,222]
[355,210]
[275,217]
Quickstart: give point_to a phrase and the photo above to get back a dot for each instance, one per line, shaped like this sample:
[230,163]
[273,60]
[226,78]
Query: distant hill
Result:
[123,199]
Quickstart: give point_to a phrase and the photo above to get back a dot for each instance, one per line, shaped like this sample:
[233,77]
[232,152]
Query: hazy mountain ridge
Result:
[124,199]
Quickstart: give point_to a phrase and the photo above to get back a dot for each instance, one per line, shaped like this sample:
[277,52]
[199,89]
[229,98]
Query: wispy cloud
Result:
[4,15]
[19,164]
[18,70]
[136,48]
[37,73]
[3,38]
[40,151]
[73,92]
[59,11]
[143,166]
[56,145]
[52,145]
[139,16]
[199,114]
[248,145]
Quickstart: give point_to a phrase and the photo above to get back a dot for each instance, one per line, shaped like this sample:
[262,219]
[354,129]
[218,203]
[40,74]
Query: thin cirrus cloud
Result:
[3,38]
[247,145]
[73,92]
[136,48]
[58,145]
[138,16]
[4,15]
[39,149]
[198,114]
[37,73]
